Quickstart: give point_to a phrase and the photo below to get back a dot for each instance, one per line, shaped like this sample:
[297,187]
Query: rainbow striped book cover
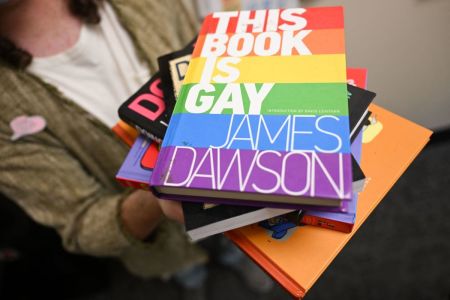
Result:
[262,116]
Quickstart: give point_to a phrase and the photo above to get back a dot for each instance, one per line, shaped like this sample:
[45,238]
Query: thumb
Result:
[172,210]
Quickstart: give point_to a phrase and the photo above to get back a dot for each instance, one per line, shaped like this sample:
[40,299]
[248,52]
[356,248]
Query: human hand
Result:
[142,211]
[172,210]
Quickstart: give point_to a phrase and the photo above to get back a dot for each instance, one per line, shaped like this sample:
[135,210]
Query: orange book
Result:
[125,132]
[390,144]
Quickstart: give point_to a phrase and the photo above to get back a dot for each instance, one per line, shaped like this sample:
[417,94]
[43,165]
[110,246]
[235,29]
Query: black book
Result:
[148,109]
[173,68]
[359,101]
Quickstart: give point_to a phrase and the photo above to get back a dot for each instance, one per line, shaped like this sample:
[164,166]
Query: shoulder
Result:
[160,23]
[10,91]
[17,86]
[21,94]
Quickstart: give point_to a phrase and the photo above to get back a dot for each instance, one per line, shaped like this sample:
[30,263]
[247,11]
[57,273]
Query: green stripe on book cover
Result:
[266,99]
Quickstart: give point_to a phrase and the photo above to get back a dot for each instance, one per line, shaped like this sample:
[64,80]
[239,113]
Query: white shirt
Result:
[100,71]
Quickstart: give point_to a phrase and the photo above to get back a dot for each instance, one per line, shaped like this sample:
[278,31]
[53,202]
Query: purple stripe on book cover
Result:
[306,174]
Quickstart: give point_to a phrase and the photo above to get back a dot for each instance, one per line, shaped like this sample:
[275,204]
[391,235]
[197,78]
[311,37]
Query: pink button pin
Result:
[25,125]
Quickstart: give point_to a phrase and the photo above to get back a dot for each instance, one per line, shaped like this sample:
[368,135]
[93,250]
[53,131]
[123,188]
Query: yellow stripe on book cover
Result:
[327,68]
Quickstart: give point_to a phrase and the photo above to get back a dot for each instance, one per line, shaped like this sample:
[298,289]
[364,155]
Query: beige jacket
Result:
[63,177]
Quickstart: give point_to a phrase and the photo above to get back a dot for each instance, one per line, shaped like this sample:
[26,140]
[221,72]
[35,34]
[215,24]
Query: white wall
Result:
[405,44]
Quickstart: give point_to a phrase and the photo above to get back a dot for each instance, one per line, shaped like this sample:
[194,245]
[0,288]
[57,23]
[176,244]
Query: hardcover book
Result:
[248,126]
[361,101]
[297,260]
[148,110]
[203,220]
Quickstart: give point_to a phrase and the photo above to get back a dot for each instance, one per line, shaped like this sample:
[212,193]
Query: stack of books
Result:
[258,128]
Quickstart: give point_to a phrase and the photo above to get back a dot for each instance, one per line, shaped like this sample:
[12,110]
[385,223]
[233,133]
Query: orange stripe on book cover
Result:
[323,41]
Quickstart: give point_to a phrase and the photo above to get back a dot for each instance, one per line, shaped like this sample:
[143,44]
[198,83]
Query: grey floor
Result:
[401,252]
[403,249]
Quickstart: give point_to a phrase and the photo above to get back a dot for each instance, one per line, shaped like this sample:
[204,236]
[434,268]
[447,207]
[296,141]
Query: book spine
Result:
[149,134]
[326,223]
[124,135]
[132,184]
[162,163]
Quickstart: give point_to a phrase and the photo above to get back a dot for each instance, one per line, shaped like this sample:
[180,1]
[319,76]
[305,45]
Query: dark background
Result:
[401,252]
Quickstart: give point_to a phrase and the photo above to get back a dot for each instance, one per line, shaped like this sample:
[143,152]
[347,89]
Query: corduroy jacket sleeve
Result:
[54,189]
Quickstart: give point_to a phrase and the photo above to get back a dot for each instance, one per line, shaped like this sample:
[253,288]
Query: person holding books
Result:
[63,175]
[65,67]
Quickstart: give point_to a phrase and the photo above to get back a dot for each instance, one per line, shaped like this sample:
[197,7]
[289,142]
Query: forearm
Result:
[140,214]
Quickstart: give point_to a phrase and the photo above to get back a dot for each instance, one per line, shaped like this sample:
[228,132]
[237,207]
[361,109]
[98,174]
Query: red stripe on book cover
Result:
[326,223]
[316,18]
[132,184]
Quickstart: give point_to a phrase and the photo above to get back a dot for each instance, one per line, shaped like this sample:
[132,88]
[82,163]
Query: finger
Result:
[172,209]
